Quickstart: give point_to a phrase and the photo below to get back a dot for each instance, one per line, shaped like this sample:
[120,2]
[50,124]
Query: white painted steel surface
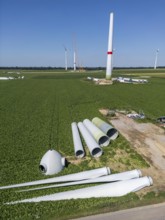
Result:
[110,131]
[52,163]
[103,179]
[93,146]
[110,49]
[89,174]
[101,138]
[74,60]
[116,189]
[78,148]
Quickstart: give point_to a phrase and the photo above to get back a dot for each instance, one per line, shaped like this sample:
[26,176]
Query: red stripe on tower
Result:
[109,52]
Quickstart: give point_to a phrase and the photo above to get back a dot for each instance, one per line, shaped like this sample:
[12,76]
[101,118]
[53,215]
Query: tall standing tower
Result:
[66,58]
[74,60]
[156,59]
[110,49]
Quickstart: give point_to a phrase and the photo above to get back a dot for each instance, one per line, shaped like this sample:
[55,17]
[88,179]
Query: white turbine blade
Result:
[116,189]
[89,174]
[103,179]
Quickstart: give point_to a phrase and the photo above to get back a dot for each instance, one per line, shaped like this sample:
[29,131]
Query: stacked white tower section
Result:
[78,148]
[111,132]
[110,49]
[101,138]
[91,143]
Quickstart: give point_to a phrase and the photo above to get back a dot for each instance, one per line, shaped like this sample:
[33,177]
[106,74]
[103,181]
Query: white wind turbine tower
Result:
[66,58]
[74,60]
[74,53]
[156,59]
[110,49]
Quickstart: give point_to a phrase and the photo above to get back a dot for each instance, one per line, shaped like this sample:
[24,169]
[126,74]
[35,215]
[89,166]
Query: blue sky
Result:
[33,32]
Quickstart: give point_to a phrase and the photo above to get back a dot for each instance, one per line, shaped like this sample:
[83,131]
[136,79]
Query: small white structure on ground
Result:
[130,80]
[52,162]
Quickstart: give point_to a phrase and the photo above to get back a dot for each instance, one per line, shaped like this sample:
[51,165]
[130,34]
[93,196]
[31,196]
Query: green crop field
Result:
[36,114]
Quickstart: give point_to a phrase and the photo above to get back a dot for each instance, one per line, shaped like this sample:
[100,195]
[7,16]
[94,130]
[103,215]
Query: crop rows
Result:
[36,115]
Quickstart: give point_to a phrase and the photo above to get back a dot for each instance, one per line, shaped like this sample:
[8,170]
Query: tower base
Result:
[104,82]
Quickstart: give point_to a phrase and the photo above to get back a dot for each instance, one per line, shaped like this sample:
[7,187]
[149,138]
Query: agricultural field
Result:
[36,114]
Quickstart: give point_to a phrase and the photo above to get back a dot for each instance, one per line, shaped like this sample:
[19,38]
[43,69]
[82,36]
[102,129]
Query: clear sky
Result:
[33,32]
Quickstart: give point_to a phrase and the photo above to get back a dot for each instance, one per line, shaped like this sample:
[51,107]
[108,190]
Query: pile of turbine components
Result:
[113,185]
[96,134]
[10,77]
[6,78]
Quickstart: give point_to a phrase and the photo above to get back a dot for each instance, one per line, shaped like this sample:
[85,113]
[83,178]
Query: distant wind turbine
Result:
[66,58]
[74,53]
[74,60]
[156,59]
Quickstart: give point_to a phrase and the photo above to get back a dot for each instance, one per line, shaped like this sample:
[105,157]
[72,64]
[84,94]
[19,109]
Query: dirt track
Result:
[149,141]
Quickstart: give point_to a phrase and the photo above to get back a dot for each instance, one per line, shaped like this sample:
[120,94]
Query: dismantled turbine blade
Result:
[89,174]
[103,179]
[115,189]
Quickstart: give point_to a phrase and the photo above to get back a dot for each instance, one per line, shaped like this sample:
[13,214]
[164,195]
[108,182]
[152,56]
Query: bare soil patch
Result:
[148,140]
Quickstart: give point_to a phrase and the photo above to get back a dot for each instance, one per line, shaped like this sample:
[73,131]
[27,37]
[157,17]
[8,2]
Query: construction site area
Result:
[148,140]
